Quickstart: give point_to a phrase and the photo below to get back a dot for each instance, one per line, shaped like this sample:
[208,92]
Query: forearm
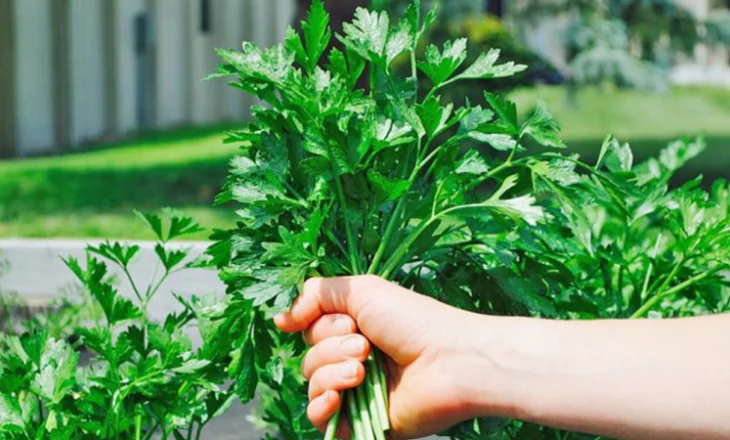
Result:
[624,379]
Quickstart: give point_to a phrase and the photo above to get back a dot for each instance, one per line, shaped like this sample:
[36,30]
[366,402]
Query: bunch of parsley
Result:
[336,180]
[470,204]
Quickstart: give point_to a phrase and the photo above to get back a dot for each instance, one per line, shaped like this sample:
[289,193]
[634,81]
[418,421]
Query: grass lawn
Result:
[93,193]
[649,122]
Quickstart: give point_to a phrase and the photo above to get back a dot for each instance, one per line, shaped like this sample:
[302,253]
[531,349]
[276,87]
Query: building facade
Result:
[79,71]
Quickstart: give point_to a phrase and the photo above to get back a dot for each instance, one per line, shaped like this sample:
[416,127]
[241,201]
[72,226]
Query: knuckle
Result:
[312,285]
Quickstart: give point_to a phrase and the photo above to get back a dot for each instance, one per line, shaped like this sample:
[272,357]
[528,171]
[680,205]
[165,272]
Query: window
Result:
[206,16]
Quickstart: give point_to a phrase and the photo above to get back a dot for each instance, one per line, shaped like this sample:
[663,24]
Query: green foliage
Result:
[630,43]
[142,379]
[335,180]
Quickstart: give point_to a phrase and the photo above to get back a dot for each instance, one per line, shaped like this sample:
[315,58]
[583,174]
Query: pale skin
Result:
[667,379]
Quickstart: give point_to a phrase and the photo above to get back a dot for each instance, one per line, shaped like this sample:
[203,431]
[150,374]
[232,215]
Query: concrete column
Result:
[127,96]
[60,20]
[191,24]
[153,71]
[34,72]
[170,64]
[87,67]
[110,35]
[7,80]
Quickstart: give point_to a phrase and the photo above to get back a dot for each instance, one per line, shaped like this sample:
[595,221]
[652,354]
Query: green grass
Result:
[93,193]
[649,122]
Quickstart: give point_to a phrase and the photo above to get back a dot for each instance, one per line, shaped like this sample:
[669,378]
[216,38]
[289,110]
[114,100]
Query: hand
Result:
[431,367]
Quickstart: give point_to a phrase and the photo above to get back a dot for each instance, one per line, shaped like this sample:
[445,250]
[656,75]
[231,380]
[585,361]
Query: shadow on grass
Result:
[148,137]
[62,190]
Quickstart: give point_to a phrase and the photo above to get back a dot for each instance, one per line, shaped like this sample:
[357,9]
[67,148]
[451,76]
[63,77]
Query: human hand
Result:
[431,365]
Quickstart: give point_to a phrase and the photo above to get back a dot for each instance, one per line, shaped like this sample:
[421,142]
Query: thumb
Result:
[328,296]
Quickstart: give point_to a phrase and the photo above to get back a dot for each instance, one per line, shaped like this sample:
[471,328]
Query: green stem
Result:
[132,283]
[380,388]
[389,230]
[138,425]
[619,294]
[392,223]
[664,294]
[372,404]
[352,251]
[333,424]
[151,433]
[191,428]
[414,66]
[363,407]
[356,422]
[645,288]
[400,252]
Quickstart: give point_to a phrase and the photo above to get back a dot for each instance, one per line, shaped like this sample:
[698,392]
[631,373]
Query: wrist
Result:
[499,363]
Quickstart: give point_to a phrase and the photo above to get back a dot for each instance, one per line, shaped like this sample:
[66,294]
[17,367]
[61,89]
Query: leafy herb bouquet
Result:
[469,205]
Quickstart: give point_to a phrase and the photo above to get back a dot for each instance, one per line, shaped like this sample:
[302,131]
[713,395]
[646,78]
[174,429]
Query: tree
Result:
[628,42]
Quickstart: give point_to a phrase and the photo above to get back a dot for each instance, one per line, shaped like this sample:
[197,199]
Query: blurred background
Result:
[102,107]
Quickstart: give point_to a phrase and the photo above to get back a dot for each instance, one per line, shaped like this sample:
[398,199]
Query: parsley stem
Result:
[380,387]
[363,407]
[678,288]
[138,425]
[372,404]
[152,431]
[332,424]
[392,223]
[132,283]
[645,288]
[352,251]
[392,263]
[355,420]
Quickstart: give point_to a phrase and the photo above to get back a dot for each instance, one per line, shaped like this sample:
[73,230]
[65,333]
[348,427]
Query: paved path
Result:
[38,273]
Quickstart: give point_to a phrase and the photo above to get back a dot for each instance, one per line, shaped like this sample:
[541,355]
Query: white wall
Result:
[126,94]
[33,73]
[87,97]
[171,62]
[183,56]
[206,95]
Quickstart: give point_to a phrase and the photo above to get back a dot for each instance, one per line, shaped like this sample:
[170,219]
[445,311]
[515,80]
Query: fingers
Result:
[337,377]
[323,408]
[335,350]
[326,296]
[329,326]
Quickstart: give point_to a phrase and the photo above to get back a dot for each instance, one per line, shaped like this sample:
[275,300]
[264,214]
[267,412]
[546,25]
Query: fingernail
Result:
[354,346]
[349,370]
[343,324]
[329,396]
